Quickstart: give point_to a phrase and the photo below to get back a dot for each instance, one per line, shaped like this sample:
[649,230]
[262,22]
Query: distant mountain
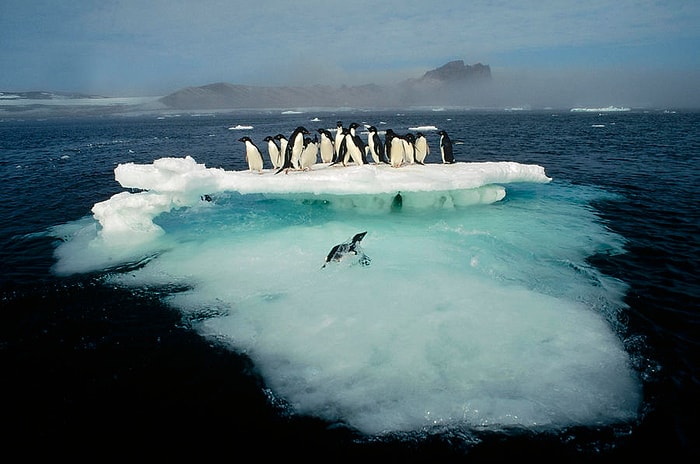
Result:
[439,86]
[457,72]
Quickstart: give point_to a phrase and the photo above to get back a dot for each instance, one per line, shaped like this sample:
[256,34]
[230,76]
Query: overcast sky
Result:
[633,49]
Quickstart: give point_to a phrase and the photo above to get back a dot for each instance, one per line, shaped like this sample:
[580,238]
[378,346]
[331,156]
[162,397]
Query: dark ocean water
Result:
[91,366]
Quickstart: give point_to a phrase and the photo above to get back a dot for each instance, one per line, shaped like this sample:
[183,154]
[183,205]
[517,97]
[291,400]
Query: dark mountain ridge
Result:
[443,85]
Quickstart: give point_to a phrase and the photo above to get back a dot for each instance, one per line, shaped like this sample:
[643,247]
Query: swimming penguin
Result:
[326,145]
[394,148]
[409,148]
[422,148]
[294,149]
[446,148]
[339,136]
[397,202]
[376,147]
[309,155]
[349,247]
[252,155]
[274,152]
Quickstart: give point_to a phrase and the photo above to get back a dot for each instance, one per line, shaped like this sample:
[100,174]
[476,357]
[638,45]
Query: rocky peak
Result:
[457,70]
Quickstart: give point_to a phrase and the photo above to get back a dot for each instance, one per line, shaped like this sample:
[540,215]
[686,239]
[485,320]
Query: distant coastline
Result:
[448,84]
[453,86]
[438,87]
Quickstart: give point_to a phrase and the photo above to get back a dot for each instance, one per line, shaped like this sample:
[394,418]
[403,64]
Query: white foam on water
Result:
[478,315]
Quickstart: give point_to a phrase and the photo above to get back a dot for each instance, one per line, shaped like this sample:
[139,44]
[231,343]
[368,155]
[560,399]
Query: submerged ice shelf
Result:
[463,319]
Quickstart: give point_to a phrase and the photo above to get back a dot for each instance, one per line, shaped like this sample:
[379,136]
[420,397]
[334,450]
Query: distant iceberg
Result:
[423,128]
[607,109]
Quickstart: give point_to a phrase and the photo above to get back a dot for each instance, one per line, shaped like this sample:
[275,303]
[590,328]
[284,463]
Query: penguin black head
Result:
[339,124]
[244,139]
[372,129]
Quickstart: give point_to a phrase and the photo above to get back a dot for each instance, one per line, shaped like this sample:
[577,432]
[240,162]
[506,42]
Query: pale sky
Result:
[150,48]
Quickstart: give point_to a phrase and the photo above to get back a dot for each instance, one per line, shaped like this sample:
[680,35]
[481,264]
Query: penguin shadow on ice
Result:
[349,251]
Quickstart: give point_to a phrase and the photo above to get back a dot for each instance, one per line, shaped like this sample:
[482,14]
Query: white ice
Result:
[474,312]
[607,109]
[423,128]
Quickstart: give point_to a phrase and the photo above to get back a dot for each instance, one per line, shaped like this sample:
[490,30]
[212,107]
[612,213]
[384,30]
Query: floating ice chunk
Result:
[170,183]
[423,128]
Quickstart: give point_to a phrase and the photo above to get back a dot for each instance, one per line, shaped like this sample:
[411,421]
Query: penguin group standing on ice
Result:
[300,152]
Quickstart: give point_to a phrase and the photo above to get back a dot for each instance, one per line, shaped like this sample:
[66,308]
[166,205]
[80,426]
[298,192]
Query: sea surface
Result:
[151,356]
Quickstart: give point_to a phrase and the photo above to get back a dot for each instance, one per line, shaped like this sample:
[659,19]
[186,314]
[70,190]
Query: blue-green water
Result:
[562,318]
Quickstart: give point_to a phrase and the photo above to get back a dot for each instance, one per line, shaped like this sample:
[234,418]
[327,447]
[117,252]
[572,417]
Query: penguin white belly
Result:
[354,154]
[422,150]
[254,158]
[297,148]
[309,156]
[397,154]
[442,149]
[274,154]
[326,150]
[408,151]
[338,141]
[283,150]
[373,153]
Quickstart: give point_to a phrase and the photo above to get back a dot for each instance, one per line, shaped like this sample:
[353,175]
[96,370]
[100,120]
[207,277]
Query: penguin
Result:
[283,146]
[359,143]
[409,148]
[294,149]
[349,247]
[394,148]
[446,148]
[353,152]
[342,152]
[309,155]
[326,145]
[297,140]
[274,152]
[376,147]
[339,136]
[422,148]
[252,155]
